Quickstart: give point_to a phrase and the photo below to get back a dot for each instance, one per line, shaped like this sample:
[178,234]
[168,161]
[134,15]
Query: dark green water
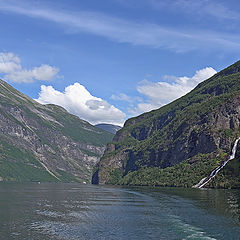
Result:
[74,211]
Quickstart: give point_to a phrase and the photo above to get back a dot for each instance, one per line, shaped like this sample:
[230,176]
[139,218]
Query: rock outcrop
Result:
[205,122]
[44,142]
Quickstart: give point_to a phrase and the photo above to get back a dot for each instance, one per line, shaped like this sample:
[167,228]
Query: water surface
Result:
[75,211]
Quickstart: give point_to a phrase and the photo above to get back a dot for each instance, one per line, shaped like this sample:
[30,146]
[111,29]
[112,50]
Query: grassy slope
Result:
[17,164]
[205,98]
[190,108]
[20,165]
[77,129]
[72,126]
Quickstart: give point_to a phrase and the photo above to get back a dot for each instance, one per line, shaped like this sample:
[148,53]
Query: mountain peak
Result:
[180,143]
[45,142]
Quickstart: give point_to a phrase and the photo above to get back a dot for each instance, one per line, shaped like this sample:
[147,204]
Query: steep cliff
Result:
[45,142]
[179,143]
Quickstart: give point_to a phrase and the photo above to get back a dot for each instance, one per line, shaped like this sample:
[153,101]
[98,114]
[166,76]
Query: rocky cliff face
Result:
[203,123]
[45,142]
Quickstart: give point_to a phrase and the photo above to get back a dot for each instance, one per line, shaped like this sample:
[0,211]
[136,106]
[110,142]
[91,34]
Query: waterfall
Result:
[205,180]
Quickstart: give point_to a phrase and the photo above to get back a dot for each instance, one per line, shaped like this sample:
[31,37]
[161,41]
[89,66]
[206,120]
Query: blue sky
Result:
[109,60]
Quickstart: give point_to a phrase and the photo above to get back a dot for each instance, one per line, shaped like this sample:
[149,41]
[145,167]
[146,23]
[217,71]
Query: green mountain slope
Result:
[45,142]
[180,143]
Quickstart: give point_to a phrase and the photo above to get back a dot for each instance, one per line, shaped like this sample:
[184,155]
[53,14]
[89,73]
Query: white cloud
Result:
[143,107]
[77,100]
[122,97]
[9,63]
[161,93]
[12,70]
[127,31]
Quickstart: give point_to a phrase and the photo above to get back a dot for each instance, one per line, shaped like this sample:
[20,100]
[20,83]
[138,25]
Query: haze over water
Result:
[75,211]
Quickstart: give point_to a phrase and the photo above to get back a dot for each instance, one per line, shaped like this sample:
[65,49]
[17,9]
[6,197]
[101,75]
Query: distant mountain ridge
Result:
[108,127]
[44,142]
[180,143]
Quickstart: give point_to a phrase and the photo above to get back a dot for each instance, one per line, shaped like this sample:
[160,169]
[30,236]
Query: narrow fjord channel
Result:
[75,211]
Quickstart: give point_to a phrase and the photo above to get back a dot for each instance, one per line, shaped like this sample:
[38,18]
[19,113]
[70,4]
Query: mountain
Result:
[109,127]
[44,142]
[179,143]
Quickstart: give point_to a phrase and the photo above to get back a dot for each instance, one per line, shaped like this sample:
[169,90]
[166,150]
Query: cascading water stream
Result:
[205,180]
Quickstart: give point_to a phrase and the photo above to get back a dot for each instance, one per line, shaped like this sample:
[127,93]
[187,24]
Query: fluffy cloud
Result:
[161,93]
[77,100]
[9,63]
[121,97]
[142,107]
[126,98]
[12,70]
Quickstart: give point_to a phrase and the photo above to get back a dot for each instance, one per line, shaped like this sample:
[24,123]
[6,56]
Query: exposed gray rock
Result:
[62,143]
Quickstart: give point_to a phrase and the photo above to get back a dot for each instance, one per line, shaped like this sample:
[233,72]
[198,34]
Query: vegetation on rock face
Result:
[150,147]
[229,176]
[26,168]
[45,142]
[184,174]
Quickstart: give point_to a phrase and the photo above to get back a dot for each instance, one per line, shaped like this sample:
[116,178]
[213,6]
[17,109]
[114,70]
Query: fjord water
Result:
[75,211]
